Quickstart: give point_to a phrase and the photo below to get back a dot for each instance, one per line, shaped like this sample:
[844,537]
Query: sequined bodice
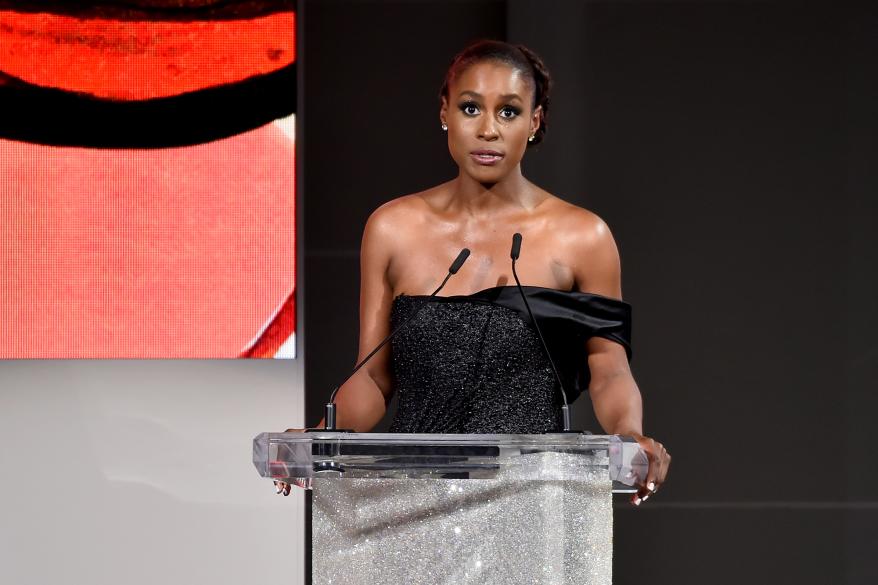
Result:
[474,363]
[470,367]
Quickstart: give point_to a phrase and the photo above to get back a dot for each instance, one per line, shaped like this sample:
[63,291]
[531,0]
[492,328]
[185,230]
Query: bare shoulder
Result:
[579,229]
[395,217]
[399,223]
[388,216]
[406,211]
[588,248]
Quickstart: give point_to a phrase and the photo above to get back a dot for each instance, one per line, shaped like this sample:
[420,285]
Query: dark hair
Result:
[518,57]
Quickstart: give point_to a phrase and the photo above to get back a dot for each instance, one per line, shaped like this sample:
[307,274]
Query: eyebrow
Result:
[505,97]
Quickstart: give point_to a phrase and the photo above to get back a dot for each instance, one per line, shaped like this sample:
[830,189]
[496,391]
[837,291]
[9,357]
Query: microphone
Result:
[455,266]
[329,410]
[516,248]
[565,408]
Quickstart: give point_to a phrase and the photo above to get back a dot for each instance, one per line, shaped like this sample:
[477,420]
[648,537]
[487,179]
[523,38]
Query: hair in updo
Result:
[518,57]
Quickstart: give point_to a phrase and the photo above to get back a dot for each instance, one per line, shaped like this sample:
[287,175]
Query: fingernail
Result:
[651,486]
[636,501]
[646,497]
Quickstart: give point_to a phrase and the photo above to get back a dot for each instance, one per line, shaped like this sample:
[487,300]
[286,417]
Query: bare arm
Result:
[615,396]
[362,400]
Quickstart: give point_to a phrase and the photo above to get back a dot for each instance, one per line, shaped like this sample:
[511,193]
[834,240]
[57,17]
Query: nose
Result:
[488,129]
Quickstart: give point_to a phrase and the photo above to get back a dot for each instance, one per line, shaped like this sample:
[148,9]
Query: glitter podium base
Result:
[505,530]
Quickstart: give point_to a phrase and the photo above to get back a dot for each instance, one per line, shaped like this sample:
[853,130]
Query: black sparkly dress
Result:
[474,363]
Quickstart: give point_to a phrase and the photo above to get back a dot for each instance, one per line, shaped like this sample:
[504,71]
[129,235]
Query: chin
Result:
[487,175]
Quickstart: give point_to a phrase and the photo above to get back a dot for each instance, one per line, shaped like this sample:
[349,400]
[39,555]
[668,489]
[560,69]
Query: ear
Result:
[443,111]
[536,119]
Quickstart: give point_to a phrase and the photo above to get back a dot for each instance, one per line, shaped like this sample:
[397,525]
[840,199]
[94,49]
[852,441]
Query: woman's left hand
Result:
[659,461]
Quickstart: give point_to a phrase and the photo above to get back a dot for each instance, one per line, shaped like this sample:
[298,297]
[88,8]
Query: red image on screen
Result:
[147,184]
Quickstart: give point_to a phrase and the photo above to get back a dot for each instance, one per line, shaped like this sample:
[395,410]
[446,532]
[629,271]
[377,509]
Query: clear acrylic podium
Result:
[456,509]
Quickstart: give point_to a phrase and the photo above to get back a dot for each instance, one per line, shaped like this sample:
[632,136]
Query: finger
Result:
[661,468]
[639,499]
[644,492]
[658,474]
[666,463]
[655,453]
[649,483]
[287,488]
[303,482]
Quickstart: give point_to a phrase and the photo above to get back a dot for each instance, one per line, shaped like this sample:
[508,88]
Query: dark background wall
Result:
[731,146]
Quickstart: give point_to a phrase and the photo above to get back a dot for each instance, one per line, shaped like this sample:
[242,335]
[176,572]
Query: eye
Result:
[508,112]
[469,108]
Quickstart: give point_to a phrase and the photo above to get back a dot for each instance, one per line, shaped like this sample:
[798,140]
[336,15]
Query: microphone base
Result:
[330,431]
[570,432]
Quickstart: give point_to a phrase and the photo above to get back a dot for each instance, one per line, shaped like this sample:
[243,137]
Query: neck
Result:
[475,198]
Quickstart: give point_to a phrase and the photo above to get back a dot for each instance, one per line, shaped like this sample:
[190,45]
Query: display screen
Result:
[147,182]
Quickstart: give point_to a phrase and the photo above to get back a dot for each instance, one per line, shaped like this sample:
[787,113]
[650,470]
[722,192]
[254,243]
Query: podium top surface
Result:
[297,457]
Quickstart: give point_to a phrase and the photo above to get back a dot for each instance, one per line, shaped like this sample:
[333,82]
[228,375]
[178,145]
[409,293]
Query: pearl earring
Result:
[444,127]
[531,139]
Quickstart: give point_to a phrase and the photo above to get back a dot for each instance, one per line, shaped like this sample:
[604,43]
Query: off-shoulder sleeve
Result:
[567,320]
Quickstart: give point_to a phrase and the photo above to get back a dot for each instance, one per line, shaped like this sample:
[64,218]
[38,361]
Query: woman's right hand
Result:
[283,487]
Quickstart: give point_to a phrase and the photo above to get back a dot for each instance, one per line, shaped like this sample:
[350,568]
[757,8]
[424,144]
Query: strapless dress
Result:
[474,363]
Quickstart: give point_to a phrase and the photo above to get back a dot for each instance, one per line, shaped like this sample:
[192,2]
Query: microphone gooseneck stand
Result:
[329,418]
[565,408]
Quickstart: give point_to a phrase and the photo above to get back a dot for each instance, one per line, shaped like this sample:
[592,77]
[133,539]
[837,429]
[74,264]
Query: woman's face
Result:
[489,118]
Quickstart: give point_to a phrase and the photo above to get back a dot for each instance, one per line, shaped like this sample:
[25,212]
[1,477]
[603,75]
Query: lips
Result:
[486,157]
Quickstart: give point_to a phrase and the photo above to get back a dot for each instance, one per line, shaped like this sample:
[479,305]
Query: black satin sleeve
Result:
[567,320]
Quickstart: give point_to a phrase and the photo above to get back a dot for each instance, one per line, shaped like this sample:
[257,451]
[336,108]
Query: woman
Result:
[469,362]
